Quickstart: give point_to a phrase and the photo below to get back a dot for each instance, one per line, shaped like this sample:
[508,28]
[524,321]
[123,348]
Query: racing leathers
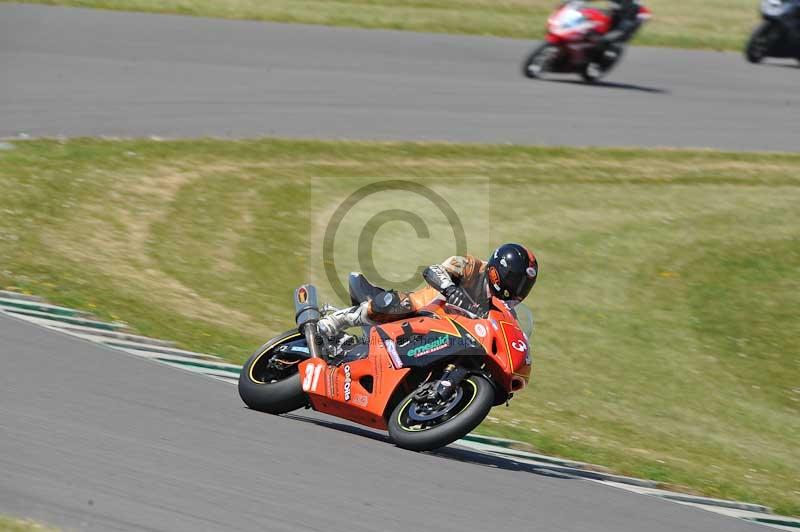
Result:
[460,280]
[624,23]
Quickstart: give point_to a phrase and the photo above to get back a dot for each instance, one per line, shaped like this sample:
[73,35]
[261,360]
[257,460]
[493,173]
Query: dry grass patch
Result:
[9,524]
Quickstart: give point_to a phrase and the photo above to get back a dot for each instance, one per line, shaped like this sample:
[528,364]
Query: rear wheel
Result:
[269,381]
[539,62]
[761,40]
[422,423]
[598,69]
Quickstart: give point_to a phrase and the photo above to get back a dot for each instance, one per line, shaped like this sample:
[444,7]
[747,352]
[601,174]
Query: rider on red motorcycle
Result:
[466,282]
[625,21]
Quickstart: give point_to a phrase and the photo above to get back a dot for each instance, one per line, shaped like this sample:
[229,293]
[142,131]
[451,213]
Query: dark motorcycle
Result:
[778,35]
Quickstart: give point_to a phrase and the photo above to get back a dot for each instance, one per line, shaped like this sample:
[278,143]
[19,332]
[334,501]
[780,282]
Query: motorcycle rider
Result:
[466,282]
[624,22]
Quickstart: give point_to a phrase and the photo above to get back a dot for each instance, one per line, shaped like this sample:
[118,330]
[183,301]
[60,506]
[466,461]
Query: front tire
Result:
[760,42]
[267,389]
[471,404]
[539,61]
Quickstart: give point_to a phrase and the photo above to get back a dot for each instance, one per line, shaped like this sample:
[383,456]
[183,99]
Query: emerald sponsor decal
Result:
[430,347]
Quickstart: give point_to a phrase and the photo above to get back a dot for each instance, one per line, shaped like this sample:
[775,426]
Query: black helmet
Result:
[511,272]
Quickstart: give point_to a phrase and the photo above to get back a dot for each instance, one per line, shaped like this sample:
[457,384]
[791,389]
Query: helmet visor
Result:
[521,286]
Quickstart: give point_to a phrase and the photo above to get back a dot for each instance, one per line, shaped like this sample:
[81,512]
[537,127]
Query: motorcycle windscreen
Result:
[525,319]
[568,19]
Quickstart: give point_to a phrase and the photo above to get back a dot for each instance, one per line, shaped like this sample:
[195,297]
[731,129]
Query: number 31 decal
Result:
[311,378]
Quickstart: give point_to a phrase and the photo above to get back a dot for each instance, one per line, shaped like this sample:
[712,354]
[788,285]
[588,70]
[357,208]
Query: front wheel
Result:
[761,40]
[269,381]
[539,61]
[424,423]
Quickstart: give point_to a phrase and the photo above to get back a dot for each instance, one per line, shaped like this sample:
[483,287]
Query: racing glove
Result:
[457,296]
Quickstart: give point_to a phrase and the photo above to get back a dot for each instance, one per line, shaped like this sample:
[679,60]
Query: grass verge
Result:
[8,524]
[667,323]
[715,24]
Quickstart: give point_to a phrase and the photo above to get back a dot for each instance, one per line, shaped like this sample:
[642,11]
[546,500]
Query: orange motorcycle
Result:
[429,379]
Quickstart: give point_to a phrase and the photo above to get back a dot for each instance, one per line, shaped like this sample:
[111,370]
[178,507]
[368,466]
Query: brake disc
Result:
[431,410]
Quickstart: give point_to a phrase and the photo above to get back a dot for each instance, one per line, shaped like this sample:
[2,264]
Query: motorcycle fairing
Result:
[423,341]
[358,390]
[574,20]
[517,349]
[777,9]
[784,15]
[508,350]
[297,347]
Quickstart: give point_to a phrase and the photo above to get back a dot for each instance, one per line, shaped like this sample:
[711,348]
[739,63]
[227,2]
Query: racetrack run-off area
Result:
[87,72]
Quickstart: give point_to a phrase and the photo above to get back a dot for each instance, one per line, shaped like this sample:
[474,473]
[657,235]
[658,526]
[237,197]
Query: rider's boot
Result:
[334,323]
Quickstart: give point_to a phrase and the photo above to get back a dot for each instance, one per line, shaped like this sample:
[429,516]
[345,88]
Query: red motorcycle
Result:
[429,379]
[574,32]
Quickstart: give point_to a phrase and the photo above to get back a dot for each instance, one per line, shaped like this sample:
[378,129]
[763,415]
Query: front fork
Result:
[307,315]
[452,377]
[450,381]
[443,388]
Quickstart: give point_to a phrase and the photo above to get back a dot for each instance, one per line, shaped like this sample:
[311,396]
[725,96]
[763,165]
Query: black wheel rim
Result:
[273,366]
[416,416]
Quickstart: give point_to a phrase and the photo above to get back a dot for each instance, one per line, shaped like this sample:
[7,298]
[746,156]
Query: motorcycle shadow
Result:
[342,426]
[612,85]
[782,64]
[451,452]
[469,456]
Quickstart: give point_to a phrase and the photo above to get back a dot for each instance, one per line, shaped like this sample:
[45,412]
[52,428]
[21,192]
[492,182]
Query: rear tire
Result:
[478,398]
[760,42]
[589,76]
[539,61]
[273,394]
[594,71]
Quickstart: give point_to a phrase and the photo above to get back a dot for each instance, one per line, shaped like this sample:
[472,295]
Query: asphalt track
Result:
[93,439]
[81,72]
